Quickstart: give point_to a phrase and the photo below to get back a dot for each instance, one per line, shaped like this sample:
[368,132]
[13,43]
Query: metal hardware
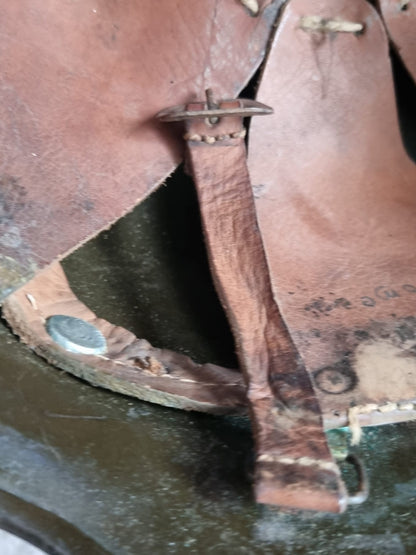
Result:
[363,484]
[212,105]
[76,335]
[241,107]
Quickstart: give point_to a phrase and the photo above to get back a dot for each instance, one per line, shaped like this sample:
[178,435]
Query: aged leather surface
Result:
[286,418]
[80,85]
[400,19]
[335,198]
[130,365]
[131,370]
[336,208]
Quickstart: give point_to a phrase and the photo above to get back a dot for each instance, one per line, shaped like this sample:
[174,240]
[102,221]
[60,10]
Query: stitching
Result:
[301,461]
[185,380]
[211,139]
[32,301]
[251,5]
[337,25]
[354,413]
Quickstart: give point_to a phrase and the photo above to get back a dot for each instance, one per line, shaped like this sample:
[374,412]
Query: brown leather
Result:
[332,210]
[130,365]
[49,293]
[81,82]
[336,204]
[286,418]
[400,19]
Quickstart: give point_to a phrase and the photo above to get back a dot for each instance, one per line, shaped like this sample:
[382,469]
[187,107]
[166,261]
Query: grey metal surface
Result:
[13,545]
[76,335]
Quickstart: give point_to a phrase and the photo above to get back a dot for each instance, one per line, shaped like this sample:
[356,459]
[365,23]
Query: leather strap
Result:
[130,365]
[294,465]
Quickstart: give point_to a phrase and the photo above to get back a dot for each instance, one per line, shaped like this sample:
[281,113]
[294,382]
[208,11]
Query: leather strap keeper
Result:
[286,418]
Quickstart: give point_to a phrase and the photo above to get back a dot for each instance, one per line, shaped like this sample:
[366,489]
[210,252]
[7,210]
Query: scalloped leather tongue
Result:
[336,202]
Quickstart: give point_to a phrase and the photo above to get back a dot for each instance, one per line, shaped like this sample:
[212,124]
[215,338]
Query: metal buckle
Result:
[213,111]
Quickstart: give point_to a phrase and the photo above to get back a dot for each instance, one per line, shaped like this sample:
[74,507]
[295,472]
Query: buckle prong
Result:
[211,105]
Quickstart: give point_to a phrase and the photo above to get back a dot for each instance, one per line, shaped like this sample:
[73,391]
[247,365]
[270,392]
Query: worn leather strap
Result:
[130,365]
[294,466]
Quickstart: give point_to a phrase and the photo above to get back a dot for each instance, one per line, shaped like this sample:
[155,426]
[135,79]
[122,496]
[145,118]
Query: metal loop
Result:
[363,484]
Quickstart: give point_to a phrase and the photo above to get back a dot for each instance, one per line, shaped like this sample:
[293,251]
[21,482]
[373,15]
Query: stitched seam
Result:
[31,299]
[251,5]
[33,303]
[323,25]
[354,413]
[301,461]
[185,380]
[211,139]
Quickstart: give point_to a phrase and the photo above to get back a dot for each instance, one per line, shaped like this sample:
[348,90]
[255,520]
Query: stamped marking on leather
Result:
[336,379]
[321,306]
[167,374]
[301,461]
[384,293]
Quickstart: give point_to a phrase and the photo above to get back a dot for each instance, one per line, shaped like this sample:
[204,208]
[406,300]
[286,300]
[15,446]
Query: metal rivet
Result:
[76,335]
